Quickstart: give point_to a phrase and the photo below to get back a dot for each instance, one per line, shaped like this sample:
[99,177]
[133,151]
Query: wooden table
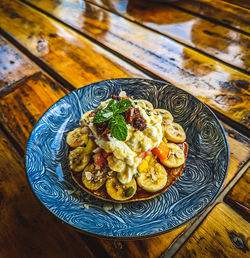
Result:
[51,47]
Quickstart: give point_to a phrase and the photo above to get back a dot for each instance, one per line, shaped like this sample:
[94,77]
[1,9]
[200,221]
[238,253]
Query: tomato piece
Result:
[161,151]
[105,131]
[92,114]
[145,154]
[105,154]
[99,160]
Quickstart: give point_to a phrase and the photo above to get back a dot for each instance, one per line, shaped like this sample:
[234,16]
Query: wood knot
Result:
[118,245]
[242,84]
[42,46]
[238,240]
[228,100]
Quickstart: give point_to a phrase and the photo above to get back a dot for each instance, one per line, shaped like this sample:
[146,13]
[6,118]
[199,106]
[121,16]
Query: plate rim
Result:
[145,236]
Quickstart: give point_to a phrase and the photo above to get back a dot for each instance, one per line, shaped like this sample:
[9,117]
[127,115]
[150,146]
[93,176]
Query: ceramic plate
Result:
[200,183]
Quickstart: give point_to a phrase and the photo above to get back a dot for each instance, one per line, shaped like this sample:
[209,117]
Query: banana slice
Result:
[116,164]
[90,146]
[153,177]
[118,191]
[144,103]
[174,132]
[78,159]
[93,179]
[175,158]
[166,115]
[75,138]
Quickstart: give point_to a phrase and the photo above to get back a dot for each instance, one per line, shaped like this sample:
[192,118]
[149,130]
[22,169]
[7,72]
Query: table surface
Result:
[49,48]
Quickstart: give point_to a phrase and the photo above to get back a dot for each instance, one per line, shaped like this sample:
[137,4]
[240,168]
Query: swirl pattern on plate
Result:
[202,178]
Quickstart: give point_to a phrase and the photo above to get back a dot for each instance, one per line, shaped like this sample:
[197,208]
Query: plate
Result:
[201,181]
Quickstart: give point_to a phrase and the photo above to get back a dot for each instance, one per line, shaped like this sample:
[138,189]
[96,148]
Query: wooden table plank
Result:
[26,228]
[223,233]
[242,3]
[239,196]
[239,151]
[226,13]
[75,58]
[211,38]
[22,99]
[24,106]
[221,87]
[13,65]
[147,248]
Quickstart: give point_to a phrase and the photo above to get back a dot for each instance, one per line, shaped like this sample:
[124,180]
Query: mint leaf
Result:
[111,103]
[118,127]
[105,114]
[121,106]
[117,124]
[102,116]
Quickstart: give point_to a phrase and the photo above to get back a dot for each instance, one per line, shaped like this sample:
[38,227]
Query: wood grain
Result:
[14,66]
[239,196]
[239,151]
[219,86]
[226,13]
[21,108]
[242,3]
[147,248]
[26,228]
[211,38]
[223,233]
[75,58]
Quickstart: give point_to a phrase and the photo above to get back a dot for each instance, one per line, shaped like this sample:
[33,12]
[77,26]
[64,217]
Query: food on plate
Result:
[126,150]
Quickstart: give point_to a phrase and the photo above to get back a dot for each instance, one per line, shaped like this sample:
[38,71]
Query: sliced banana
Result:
[116,164]
[118,191]
[85,120]
[166,115]
[153,177]
[93,179]
[78,159]
[85,115]
[175,158]
[75,138]
[144,103]
[175,133]
[90,146]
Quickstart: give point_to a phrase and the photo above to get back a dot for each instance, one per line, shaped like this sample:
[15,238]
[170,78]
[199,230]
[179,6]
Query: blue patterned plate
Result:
[200,183]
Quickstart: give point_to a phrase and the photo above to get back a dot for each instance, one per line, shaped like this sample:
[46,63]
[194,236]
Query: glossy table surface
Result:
[49,48]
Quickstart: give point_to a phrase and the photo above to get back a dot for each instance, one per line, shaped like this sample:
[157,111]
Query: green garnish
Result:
[129,191]
[118,127]
[148,112]
[138,174]
[121,106]
[117,124]
[105,114]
